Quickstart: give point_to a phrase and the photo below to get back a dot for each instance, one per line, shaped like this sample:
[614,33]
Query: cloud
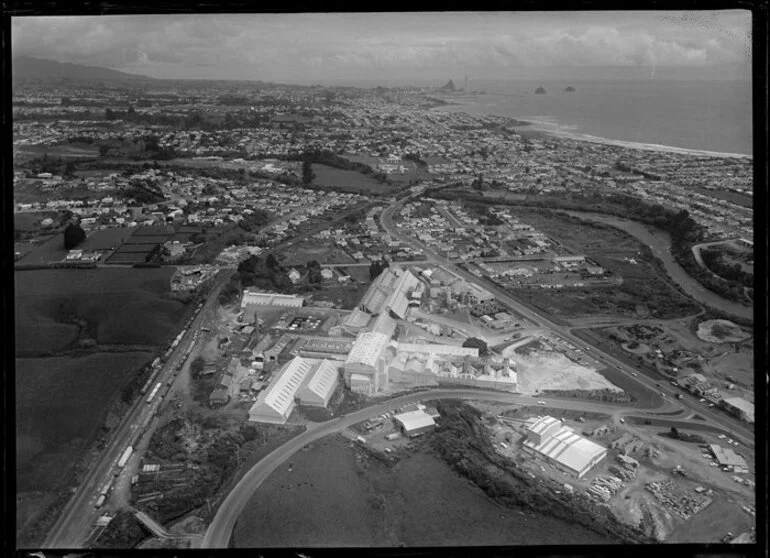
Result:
[304,46]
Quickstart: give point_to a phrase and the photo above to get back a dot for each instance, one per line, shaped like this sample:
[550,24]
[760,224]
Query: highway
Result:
[79,514]
[221,528]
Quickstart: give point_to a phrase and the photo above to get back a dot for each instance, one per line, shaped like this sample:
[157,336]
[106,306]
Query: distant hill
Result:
[450,86]
[29,68]
[569,89]
[540,91]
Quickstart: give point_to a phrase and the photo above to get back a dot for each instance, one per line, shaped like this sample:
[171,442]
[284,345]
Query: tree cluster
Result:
[255,221]
[732,272]
[73,235]
[377,267]
[476,343]
[264,273]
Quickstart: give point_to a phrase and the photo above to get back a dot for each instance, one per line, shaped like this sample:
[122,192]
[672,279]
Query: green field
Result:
[60,407]
[332,497]
[348,181]
[52,250]
[115,307]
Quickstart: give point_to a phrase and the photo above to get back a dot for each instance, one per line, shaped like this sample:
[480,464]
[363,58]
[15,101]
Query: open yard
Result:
[351,500]
[346,297]
[112,307]
[348,181]
[541,368]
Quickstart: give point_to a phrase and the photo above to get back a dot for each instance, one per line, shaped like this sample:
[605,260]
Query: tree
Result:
[476,343]
[377,267]
[307,169]
[674,433]
[197,367]
[73,235]
[272,262]
[69,170]
[314,276]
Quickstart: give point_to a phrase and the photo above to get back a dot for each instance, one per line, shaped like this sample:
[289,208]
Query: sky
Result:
[390,48]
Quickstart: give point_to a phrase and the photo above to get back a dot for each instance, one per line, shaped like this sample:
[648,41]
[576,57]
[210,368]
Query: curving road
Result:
[221,528]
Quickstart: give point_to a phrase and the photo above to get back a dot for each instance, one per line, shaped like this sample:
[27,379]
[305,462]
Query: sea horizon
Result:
[710,117]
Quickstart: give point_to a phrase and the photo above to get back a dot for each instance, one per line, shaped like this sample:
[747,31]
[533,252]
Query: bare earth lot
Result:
[331,498]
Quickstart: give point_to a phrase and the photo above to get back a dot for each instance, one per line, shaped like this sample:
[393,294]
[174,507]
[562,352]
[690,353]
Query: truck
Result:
[124,456]
[100,501]
[153,392]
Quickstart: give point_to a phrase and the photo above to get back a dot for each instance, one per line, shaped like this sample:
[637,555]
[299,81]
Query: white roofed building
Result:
[256,298]
[307,380]
[739,407]
[561,446]
[320,385]
[415,423]
[367,360]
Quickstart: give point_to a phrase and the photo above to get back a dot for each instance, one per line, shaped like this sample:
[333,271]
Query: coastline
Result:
[552,129]
[642,146]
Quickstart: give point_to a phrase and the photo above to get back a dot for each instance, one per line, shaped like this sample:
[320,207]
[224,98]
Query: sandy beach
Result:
[635,145]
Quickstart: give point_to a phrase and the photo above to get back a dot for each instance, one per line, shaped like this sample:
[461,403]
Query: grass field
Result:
[53,249]
[348,181]
[31,221]
[52,428]
[119,307]
[346,296]
[301,253]
[357,502]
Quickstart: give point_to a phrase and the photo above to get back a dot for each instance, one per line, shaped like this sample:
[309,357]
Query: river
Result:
[660,243]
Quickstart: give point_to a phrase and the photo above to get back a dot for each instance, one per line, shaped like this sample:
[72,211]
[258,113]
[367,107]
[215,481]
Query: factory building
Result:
[547,437]
[255,298]
[364,369]
[728,459]
[415,423]
[304,380]
[739,407]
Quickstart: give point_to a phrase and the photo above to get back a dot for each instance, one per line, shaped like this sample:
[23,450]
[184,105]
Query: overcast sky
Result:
[388,47]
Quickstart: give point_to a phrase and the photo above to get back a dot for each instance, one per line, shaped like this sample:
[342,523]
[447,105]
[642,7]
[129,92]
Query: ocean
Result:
[701,115]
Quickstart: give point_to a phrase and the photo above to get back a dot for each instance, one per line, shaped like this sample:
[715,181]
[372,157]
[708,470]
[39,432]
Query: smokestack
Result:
[466,84]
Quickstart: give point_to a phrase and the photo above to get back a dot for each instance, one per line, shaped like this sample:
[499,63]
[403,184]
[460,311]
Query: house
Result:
[294,276]
[219,397]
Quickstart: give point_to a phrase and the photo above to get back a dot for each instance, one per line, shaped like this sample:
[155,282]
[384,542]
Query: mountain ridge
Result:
[30,67]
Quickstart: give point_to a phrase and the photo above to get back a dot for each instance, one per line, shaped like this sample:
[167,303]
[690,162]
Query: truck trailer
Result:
[124,456]
[154,392]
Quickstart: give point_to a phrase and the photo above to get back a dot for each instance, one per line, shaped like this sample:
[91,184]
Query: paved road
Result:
[221,528]
[79,514]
